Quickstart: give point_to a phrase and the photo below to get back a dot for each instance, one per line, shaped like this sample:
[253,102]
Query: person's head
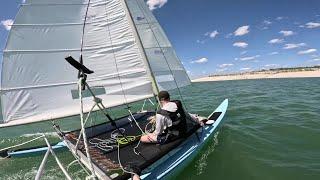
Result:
[164,97]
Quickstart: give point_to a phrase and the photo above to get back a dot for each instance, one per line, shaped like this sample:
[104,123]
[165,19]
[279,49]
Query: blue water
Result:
[271,132]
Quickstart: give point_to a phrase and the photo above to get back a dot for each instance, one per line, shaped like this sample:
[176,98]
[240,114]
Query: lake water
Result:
[271,132]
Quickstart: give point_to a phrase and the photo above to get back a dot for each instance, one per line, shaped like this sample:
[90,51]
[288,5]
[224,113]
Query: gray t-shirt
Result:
[163,122]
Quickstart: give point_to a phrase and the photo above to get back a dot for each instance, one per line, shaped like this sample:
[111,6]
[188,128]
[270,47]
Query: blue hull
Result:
[36,151]
[183,154]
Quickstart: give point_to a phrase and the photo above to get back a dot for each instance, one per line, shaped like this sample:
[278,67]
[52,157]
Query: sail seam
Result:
[70,83]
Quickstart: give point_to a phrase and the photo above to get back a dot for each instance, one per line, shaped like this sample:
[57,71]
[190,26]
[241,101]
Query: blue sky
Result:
[224,36]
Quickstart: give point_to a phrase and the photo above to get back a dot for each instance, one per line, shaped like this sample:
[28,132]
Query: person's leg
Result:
[148,138]
[136,177]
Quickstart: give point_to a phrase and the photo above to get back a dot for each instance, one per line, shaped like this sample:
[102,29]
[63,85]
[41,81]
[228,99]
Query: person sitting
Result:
[170,121]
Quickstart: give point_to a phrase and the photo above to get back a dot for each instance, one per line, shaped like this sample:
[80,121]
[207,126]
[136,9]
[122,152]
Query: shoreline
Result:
[260,75]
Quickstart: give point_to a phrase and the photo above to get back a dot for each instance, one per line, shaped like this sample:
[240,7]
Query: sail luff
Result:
[144,55]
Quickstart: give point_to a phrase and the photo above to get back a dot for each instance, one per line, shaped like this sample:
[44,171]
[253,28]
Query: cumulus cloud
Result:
[200,61]
[273,53]
[245,69]
[225,65]
[276,41]
[294,46]
[7,24]
[249,58]
[266,22]
[242,31]
[286,33]
[312,25]
[308,51]
[213,34]
[240,44]
[154,4]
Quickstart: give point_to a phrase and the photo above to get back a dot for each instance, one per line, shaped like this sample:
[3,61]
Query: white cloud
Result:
[308,51]
[200,61]
[273,53]
[242,30]
[311,25]
[293,46]
[271,65]
[213,34]
[240,44]
[249,58]
[276,41]
[201,41]
[245,69]
[279,18]
[286,33]
[154,4]
[221,70]
[225,65]
[266,22]
[314,60]
[7,23]
[23,1]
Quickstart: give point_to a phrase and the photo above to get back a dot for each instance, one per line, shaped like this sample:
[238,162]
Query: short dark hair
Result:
[164,95]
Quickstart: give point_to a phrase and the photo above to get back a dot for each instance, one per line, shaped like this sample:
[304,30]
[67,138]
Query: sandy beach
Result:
[260,75]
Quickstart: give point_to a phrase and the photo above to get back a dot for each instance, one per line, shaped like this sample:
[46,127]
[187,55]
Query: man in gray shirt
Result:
[162,121]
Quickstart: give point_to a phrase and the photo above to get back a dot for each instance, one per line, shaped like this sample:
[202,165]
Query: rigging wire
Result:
[149,24]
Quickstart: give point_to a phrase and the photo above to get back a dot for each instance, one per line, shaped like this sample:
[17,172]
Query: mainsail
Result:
[167,68]
[127,51]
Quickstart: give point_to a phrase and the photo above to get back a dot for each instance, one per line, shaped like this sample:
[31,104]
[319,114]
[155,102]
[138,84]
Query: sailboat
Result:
[65,58]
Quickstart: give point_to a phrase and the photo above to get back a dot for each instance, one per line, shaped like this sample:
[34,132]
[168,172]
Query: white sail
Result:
[38,84]
[166,67]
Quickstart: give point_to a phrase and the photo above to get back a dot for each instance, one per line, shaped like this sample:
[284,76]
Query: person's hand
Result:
[201,123]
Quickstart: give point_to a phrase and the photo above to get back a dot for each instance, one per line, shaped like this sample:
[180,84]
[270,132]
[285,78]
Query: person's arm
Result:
[194,118]
[159,125]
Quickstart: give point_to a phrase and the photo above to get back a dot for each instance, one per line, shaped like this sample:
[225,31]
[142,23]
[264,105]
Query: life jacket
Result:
[178,118]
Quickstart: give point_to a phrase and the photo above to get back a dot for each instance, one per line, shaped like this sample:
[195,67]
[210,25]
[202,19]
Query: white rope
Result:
[151,101]
[134,119]
[119,161]
[107,144]
[21,144]
[144,103]
[84,130]
[146,131]
[80,134]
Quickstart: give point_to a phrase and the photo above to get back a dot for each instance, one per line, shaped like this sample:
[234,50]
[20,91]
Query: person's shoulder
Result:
[170,106]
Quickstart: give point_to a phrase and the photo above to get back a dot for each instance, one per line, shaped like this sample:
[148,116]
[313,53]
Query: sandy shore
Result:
[261,75]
